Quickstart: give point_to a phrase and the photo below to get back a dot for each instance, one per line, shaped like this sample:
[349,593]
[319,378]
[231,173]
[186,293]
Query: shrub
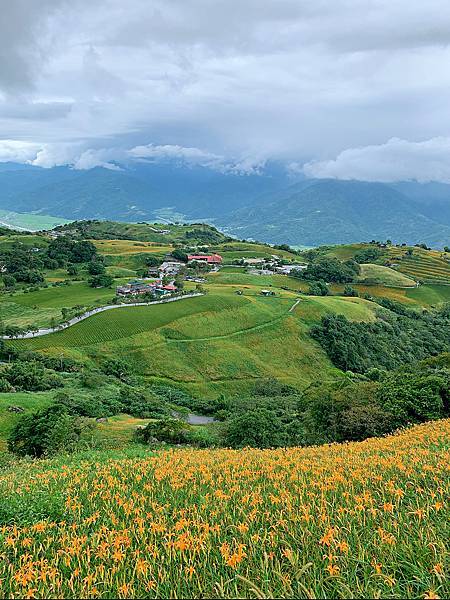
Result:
[169,430]
[47,432]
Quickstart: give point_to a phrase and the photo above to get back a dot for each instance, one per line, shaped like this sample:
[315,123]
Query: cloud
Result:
[396,160]
[227,84]
[16,151]
[196,156]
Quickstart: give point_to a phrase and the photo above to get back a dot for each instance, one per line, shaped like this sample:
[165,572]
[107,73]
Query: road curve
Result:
[89,313]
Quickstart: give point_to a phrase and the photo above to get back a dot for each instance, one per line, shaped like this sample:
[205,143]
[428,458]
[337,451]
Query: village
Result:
[167,278]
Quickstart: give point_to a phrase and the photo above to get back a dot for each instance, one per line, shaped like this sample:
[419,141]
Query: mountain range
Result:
[269,206]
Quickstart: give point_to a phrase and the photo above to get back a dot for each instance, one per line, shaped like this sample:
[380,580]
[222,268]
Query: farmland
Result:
[212,344]
[363,519]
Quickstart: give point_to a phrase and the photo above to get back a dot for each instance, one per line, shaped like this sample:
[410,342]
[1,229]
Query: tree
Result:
[72,270]
[179,254]
[318,288]
[368,255]
[255,427]
[101,281]
[152,261]
[46,432]
[9,281]
[96,267]
[169,430]
[350,291]
[329,269]
[31,376]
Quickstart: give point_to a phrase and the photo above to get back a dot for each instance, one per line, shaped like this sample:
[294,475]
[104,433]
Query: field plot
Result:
[39,307]
[211,344]
[379,274]
[359,520]
[425,265]
[119,247]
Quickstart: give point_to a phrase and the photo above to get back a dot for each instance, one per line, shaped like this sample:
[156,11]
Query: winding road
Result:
[90,313]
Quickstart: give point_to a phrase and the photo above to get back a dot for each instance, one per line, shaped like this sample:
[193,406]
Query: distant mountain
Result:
[332,212]
[269,206]
[133,193]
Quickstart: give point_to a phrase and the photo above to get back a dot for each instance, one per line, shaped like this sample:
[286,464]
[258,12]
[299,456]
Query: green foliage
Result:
[99,281]
[331,270]
[414,397]
[96,267]
[179,254]
[64,249]
[318,288]
[349,291]
[368,255]
[46,432]
[392,340]
[168,430]
[257,427]
[30,376]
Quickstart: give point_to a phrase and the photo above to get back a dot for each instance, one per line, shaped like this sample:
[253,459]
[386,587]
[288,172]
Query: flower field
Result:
[353,520]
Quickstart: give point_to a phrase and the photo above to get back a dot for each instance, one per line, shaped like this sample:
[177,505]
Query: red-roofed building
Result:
[210,259]
[170,287]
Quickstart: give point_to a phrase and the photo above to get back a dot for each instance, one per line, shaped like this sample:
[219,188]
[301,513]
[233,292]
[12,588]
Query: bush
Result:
[257,427]
[96,267]
[169,430]
[31,377]
[318,288]
[101,281]
[47,432]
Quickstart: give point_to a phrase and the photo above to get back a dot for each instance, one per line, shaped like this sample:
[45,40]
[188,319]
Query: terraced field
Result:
[120,247]
[425,265]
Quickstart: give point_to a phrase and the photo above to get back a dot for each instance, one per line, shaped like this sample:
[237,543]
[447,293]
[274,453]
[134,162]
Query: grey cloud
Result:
[396,160]
[242,80]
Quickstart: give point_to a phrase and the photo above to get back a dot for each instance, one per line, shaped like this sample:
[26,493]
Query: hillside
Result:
[270,205]
[366,519]
[334,212]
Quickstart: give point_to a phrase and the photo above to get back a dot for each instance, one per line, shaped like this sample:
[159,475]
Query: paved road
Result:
[86,315]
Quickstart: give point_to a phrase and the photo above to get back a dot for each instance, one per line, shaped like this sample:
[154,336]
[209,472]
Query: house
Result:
[210,259]
[267,293]
[287,269]
[171,267]
[260,272]
[135,288]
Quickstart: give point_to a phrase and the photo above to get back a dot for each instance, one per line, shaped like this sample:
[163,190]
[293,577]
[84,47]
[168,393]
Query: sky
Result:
[348,89]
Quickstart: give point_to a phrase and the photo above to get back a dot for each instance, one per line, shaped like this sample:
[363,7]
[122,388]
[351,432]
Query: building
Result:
[210,259]
[135,288]
[254,261]
[171,267]
[267,293]
[287,269]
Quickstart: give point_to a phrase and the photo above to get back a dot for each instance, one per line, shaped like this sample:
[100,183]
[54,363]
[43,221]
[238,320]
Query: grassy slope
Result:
[385,276]
[359,520]
[220,342]
[37,308]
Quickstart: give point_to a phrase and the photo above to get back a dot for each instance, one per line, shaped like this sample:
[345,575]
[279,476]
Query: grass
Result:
[26,400]
[425,265]
[219,343]
[385,276]
[39,307]
[355,520]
